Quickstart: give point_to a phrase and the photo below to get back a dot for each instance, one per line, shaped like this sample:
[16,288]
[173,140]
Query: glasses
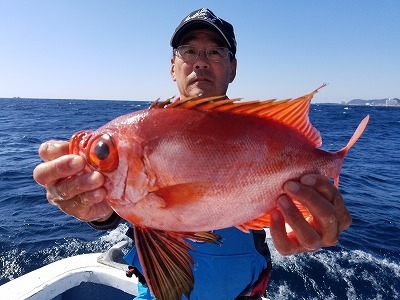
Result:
[190,54]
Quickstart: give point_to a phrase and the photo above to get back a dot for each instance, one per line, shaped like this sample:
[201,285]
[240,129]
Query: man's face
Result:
[202,77]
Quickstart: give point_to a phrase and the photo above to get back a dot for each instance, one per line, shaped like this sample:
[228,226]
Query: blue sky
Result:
[97,49]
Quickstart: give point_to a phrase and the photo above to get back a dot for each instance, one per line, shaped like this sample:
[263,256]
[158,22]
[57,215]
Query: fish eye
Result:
[101,150]
[103,154]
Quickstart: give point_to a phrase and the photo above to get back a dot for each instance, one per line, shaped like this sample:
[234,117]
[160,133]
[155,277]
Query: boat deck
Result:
[86,276]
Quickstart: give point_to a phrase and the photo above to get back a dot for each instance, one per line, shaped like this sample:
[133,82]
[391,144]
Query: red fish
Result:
[179,170]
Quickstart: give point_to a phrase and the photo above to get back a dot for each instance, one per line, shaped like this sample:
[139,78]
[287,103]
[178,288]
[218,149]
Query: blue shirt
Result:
[220,272]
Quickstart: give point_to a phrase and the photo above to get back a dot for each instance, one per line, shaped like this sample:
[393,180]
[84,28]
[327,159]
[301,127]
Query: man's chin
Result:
[203,91]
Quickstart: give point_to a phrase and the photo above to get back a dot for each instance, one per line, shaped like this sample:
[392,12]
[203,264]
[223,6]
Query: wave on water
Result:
[334,273]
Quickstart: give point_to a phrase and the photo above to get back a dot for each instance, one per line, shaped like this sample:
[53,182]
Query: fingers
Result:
[284,243]
[58,164]
[49,172]
[81,197]
[302,237]
[329,216]
[74,186]
[328,191]
[323,212]
[53,149]
[88,206]
[69,186]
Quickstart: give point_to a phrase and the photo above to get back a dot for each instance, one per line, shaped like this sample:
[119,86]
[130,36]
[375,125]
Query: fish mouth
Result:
[79,142]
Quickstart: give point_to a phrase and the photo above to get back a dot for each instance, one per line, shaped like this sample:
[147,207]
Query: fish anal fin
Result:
[166,263]
[303,210]
[256,224]
[265,220]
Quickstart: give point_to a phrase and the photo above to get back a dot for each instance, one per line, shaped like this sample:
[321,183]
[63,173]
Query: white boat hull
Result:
[78,277]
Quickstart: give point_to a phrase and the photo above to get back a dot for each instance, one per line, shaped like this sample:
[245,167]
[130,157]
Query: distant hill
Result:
[377,102]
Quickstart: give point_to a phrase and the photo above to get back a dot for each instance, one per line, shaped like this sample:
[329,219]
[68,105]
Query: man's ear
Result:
[232,75]
[172,71]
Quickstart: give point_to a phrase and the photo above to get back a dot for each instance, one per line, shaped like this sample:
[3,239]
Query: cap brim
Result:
[192,25]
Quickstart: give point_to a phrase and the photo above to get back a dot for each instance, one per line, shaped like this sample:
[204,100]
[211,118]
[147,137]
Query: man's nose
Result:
[202,61]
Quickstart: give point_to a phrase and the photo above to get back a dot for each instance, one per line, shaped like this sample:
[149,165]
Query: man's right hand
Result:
[76,191]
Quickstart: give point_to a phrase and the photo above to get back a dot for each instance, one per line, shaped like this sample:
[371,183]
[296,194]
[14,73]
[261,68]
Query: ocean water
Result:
[364,265]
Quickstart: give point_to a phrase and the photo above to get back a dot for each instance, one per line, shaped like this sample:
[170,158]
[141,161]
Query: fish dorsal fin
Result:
[166,262]
[291,112]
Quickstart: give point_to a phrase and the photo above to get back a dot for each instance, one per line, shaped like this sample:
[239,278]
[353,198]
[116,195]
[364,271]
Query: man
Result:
[204,63]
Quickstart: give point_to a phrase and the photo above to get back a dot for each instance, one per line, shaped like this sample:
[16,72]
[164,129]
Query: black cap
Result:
[198,19]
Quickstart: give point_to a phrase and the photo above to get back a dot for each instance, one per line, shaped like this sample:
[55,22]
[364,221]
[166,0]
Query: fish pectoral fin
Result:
[256,224]
[166,262]
[183,194]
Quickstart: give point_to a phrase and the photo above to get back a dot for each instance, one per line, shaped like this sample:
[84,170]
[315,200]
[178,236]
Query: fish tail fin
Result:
[336,181]
[356,135]
[342,153]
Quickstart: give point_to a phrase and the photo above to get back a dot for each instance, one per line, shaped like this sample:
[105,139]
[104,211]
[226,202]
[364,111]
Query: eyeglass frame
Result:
[228,53]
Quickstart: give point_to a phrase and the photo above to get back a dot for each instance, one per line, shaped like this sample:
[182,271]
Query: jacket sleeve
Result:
[111,223]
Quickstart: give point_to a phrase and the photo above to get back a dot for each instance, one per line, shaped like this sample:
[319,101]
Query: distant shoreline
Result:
[74,99]
[392,102]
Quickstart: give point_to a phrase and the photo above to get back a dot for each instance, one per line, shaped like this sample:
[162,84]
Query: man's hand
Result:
[69,186]
[329,216]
